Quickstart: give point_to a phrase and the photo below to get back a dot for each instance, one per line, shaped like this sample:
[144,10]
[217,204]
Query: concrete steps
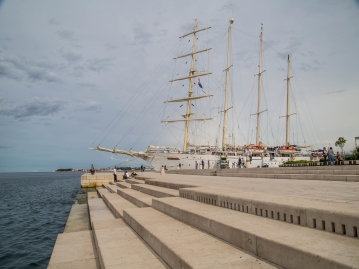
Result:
[124,185]
[287,245]
[101,191]
[330,216]
[329,173]
[155,190]
[182,246]
[111,188]
[329,177]
[74,247]
[138,198]
[208,227]
[120,247]
[74,250]
[134,181]
[117,245]
[117,204]
[290,170]
[78,219]
[98,209]
[169,184]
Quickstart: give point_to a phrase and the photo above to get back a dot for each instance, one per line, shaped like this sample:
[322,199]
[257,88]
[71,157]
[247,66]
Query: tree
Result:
[340,143]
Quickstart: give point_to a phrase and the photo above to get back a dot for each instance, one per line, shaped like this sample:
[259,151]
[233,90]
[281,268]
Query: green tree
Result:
[340,143]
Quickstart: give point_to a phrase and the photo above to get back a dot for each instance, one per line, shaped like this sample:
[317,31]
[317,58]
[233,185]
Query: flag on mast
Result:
[199,83]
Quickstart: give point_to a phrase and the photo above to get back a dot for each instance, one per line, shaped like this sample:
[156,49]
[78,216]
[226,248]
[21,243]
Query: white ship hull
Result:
[187,161]
[172,161]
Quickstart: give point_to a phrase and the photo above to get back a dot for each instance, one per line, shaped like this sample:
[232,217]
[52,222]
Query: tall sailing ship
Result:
[193,155]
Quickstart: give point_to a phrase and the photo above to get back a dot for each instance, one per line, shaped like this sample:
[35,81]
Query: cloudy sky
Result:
[76,74]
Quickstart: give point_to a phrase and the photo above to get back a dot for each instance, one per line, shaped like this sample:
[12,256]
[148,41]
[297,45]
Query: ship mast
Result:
[192,74]
[225,109]
[259,88]
[287,112]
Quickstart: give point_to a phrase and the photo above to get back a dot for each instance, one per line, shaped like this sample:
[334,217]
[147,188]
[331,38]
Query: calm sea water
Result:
[33,210]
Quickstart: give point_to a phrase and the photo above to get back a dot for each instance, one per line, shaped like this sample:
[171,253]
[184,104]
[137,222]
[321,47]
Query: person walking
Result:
[325,155]
[202,164]
[239,163]
[331,156]
[115,174]
[196,163]
[209,165]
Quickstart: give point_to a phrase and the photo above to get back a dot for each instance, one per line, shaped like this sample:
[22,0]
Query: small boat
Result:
[255,149]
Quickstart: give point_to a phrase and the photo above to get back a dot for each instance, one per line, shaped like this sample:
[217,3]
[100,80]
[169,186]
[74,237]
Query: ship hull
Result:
[172,161]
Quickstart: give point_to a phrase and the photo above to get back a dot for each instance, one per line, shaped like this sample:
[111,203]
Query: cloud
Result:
[92,106]
[292,45]
[141,36]
[339,91]
[7,71]
[308,67]
[33,70]
[34,107]
[53,21]
[71,56]
[98,64]
[229,6]
[111,47]
[86,85]
[66,34]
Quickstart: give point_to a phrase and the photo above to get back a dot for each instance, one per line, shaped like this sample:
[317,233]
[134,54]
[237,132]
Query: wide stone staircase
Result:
[152,223]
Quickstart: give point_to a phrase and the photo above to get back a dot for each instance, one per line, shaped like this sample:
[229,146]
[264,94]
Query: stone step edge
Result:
[290,172]
[169,185]
[316,218]
[113,209]
[130,195]
[164,249]
[325,177]
[262,247]
[154,191]
[96,244]
[123,185]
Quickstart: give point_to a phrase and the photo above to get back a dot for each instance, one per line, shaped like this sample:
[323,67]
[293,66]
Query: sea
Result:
[34,208]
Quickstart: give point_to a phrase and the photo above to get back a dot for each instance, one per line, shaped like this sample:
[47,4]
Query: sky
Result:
[77,74]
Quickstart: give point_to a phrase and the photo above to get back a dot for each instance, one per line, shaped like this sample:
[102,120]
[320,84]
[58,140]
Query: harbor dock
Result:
[290,217]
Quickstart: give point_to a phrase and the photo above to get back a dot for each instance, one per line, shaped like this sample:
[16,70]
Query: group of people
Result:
[202,163]
[125,174]
[330,155]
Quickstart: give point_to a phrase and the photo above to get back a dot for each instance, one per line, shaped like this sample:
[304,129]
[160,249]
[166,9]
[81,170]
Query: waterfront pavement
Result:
[224,219]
